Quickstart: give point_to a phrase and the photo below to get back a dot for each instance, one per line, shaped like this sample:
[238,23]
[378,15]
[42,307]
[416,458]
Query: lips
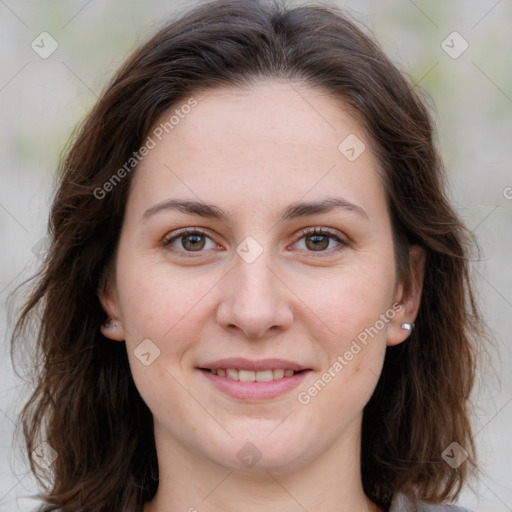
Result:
[255,366]
[251,375]
[254,380]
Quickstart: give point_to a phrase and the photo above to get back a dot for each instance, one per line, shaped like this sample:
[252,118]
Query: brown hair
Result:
[85,402]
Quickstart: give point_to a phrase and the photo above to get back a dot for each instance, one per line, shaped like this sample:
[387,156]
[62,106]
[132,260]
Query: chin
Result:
[256,454]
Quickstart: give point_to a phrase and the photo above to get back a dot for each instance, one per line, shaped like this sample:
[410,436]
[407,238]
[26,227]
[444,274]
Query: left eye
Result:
[319,240]
[190,241]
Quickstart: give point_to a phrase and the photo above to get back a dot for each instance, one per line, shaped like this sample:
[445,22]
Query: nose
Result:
[254,300]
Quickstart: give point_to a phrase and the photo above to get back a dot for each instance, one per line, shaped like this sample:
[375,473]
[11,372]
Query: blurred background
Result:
[55,59]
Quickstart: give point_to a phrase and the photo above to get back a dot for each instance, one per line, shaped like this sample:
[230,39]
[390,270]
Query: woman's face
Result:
[257,243]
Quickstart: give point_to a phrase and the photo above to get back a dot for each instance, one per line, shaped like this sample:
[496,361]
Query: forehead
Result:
[237,141]
[275,112]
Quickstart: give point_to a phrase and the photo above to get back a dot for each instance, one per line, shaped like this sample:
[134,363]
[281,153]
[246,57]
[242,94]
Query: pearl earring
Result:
[407,327]
[109,325]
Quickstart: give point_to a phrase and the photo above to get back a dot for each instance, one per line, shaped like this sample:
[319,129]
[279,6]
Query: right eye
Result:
[189,240]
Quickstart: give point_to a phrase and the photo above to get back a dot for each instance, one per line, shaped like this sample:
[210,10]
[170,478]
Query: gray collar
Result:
[402,503]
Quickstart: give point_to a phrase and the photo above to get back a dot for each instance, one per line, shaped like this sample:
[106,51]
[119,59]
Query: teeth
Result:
[232,374]
[278,374]
[264,376]
[252,376]
[246,376]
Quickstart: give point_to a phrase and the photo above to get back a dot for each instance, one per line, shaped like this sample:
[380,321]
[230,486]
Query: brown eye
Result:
[194,242]
[317,242]
[189,241]
[321,240]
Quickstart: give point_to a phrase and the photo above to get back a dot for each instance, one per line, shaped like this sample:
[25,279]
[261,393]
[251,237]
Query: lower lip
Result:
[255,390]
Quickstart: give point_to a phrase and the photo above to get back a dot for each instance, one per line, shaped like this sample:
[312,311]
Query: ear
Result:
[408,301]
[107,293]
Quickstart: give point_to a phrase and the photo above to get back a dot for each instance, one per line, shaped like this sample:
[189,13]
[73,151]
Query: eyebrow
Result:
[293,211]
[304,209]
[186,206]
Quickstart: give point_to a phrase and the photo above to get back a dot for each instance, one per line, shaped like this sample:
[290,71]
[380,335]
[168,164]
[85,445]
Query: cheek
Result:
[348,299]
[166,306]
[354,344]
[158,298]
[160,307]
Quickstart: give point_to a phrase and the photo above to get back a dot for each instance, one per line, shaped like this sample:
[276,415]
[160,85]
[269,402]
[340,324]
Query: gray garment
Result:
[401,503]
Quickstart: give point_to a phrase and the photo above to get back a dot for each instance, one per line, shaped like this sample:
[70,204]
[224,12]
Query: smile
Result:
[251,375]
[250,380]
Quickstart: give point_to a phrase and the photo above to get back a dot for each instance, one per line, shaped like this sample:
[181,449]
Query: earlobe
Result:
[113,330]
[409,298]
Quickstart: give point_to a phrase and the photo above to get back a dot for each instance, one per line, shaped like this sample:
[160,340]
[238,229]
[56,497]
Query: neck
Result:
[331,482]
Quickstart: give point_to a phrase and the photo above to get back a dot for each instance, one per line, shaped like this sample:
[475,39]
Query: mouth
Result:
[252,375]
[254,380]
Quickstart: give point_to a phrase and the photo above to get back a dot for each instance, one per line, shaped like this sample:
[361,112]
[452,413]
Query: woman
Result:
[257,294]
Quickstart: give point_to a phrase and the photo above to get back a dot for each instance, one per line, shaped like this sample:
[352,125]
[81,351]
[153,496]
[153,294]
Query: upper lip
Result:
[247,364]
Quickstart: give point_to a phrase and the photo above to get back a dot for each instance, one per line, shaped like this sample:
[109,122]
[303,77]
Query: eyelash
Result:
[166,242]
[317,231]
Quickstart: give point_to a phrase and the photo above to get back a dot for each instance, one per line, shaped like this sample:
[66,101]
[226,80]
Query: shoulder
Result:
[401,503]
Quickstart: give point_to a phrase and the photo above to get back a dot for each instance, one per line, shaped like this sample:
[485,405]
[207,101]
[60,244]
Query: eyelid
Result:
[322,230]
[341,239]
[182,232]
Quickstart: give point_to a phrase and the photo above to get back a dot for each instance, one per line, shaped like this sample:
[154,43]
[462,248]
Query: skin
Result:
[254,151]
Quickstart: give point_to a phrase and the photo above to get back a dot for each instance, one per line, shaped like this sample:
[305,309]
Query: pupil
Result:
[318,241]
[193,242]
